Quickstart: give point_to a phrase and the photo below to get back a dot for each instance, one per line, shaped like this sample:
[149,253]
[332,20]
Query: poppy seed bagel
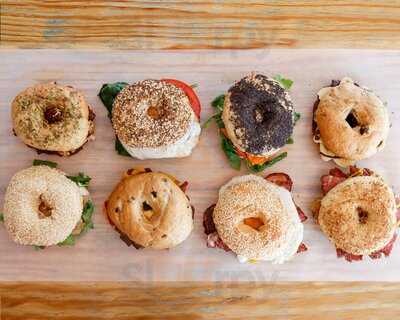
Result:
[258,115]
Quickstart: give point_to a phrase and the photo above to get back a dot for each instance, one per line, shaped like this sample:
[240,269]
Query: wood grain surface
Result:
[180,24]
[182,301]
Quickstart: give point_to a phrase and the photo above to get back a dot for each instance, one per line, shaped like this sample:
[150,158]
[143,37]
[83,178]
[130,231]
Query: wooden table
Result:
[199,24]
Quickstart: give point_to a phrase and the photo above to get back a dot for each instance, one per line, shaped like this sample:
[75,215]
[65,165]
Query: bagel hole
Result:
[351,119]
[254,223]
[362,215]
[45,210]
[154,113]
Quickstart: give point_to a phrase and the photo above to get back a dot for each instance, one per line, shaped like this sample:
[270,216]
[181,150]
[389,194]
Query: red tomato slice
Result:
[193,99]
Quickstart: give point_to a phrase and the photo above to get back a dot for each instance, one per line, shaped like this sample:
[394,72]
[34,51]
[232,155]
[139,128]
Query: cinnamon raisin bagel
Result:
[52,118]
[351,122]
[150,209]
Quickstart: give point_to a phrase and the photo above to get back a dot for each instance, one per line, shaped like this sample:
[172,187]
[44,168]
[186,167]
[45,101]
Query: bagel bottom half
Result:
[151,209]
[280,234]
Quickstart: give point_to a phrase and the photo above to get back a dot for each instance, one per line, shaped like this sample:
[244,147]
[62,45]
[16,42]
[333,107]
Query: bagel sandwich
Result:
[256,219]
[350,122]
[150,209]
[255,119]
[44,207]
[153,119]
[358,213]
[53,119]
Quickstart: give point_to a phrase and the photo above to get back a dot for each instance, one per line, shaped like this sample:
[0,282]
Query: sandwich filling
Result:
[181,148]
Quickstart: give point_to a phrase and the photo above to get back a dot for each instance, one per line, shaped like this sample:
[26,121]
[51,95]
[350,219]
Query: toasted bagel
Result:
[52,118]
[151,209]
[352,122]
[359,214]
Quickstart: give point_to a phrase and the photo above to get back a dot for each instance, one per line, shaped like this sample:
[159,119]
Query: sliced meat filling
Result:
[214,241]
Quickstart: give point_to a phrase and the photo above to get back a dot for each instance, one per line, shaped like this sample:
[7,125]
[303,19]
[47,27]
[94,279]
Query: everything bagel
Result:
[358,215]
[154,119]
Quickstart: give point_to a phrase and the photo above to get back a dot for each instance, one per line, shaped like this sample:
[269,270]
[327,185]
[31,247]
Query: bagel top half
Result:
[281,231]
[359,214]
[151,209]
[41,206]
[352,122]
[52,118]
[258,115]
[154,115]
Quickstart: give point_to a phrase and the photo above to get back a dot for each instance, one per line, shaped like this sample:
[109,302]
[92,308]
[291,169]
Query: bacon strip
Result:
[348,256]
[280,179]
[302,248]
[214,241]
[386,250]
[301,214]
[208,222]
[336,172]
[328,182]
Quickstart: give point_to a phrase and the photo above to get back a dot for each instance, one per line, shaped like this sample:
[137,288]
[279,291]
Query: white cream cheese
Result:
[181,148]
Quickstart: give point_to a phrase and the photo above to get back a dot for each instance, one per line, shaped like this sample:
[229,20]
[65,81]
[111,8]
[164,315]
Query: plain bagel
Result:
[52,118]
[359,215]
[258,115]
[151,209]
[42,206]
[252,197]
[352,122]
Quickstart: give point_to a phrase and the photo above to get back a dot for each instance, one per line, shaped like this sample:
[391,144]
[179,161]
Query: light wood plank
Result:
[104,300]
[178,24]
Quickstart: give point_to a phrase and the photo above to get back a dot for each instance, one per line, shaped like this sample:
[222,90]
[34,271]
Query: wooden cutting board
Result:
[100,255]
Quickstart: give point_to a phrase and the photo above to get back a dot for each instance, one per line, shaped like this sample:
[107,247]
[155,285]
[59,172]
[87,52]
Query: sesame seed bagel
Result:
[154,114]
[258,115]
[359,215]
[281,232]
[352,122]
[41,207]
[52,118]
[151,209]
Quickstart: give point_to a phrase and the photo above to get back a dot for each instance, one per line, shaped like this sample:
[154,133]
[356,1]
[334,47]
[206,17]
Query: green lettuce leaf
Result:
[51,164]
[1,217]
[286,83]
[230,152]
[82,180]
[108,92]
[261,167]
